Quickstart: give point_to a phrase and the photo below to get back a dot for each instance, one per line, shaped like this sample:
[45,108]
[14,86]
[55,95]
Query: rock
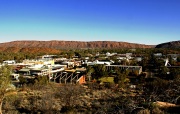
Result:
[24,45]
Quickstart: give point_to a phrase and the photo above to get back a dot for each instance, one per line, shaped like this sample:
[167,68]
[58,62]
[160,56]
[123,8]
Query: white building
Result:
[9,62]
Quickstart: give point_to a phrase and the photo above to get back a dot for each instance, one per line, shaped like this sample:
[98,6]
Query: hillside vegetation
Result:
[29,50]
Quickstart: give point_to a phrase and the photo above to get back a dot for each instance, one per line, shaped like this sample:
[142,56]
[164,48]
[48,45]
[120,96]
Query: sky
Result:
[136,21]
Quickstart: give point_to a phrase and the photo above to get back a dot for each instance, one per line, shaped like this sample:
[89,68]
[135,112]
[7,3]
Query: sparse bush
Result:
[22,80]
[69,96]
[144,111]
[156,110]
[39,83]
[9,105]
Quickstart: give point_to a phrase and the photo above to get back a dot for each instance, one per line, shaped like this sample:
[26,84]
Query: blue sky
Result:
[137,21]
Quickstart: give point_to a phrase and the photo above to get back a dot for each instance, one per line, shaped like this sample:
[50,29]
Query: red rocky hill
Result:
[72,44]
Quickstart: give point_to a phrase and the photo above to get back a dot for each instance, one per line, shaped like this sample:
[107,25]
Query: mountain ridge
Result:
[172,44]
[62,44]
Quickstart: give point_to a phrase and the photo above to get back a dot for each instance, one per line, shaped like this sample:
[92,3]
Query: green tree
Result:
[178,59]
[70,54]
[89,71]
[121,77]
[5,82]
[163,72]
[99,71]
[144,63]
[175,73]
[77,54]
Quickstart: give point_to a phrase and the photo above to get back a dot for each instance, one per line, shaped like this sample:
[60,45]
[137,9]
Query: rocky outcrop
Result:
[173,44]
[73,44]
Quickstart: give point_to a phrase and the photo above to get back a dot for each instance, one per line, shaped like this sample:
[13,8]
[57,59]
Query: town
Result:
[89,57]
[141,77]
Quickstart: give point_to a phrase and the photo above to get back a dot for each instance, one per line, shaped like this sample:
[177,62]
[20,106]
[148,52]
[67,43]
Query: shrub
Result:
[144,111]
